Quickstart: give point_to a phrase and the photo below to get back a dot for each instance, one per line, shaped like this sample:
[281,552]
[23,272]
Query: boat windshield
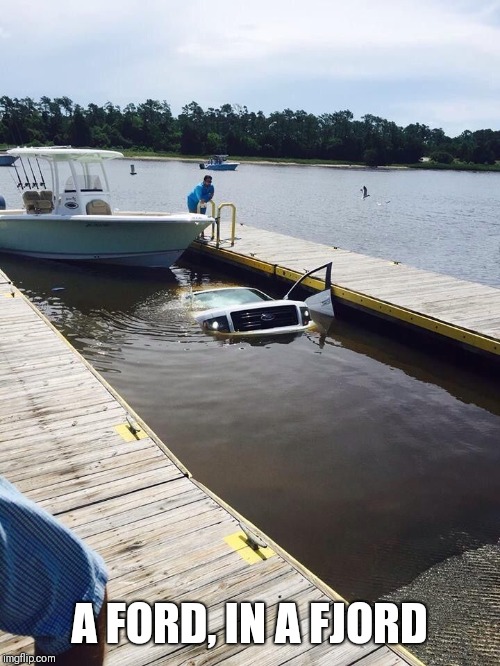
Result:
[73,176]
[222,298]
[85,182]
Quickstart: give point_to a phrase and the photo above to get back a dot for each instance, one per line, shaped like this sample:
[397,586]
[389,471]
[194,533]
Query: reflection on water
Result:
[423,365]
[370,461]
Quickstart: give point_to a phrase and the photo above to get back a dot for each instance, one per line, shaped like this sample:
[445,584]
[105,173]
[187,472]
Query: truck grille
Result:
[264,318]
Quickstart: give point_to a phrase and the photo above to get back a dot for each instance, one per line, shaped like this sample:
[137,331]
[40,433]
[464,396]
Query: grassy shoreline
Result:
[138,155]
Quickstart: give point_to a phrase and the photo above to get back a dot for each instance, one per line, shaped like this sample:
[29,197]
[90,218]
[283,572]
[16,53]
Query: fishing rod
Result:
[20,183]
[27,183]
[35,184]
[42,180]
[12,176]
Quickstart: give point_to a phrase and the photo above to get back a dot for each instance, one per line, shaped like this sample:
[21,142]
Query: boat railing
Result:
[217,223]
[210,203]
[215,212]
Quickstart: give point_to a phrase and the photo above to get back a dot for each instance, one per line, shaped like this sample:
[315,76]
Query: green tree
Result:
[193,132]
[441,157]
[79,130]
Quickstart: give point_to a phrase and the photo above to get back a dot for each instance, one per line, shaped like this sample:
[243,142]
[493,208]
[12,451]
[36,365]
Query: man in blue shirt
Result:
[202,193]
[44,571]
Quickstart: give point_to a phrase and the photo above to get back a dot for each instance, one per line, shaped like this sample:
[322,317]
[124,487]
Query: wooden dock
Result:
[457,311]
[69,442]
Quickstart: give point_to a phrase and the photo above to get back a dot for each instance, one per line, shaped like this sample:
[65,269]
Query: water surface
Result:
[370,461]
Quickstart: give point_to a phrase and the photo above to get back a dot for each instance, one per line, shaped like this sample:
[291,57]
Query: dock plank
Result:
[464,311]
[162,535]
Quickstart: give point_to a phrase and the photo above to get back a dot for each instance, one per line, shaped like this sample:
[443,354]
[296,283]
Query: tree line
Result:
[233,129]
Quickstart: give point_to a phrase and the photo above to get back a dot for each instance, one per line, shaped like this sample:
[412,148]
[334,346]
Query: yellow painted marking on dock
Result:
[238,542]
[239,259]
[130,435]
[449,330]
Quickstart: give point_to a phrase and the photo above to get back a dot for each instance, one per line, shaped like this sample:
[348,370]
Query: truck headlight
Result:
[306,315]
[216,325]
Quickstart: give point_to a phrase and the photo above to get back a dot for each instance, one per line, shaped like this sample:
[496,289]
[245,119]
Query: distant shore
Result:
[424,165]
[197,160]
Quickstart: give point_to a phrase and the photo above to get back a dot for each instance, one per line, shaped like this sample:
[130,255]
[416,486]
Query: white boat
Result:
[72,219]
[219,163]
[245,311]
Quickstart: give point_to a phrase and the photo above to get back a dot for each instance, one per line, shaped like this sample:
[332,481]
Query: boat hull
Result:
[215,166]
[132,240]
[226,166]
[7,160]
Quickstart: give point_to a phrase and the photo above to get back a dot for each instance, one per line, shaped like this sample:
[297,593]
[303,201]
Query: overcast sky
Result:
[436,62]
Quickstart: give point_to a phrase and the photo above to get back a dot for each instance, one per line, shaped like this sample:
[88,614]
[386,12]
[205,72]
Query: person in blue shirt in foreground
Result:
[44,571]
[202,193]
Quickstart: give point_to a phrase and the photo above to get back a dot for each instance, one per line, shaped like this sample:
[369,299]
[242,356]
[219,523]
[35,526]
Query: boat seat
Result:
[43,206]
[38,202]
[98,207]
[30,199]
[46,196]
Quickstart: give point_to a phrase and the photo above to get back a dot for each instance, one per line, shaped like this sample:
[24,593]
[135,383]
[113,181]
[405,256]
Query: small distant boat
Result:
[219,163]
[71,218]
[7,160]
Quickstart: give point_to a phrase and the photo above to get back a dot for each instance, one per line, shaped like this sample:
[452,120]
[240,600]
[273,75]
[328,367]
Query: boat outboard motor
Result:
[2,203]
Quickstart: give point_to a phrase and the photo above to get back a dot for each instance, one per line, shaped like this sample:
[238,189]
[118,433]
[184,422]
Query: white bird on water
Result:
[365,192]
